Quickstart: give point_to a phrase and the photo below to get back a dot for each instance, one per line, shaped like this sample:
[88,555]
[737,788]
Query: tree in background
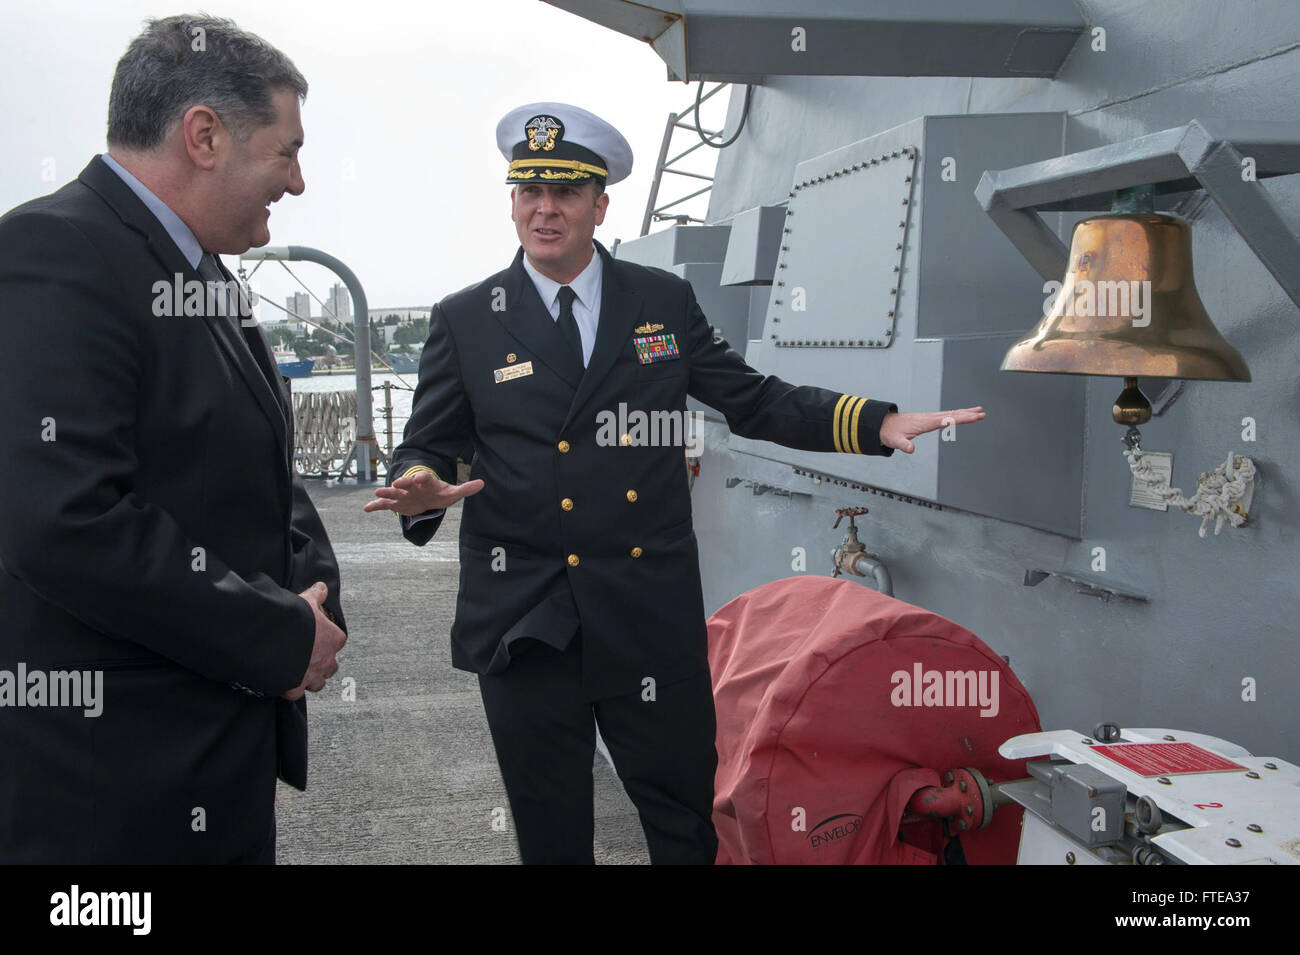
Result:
[281,337]
[412,334]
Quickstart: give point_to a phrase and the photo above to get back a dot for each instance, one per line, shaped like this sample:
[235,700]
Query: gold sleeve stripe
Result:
[853,427]
[417,469]
[835,426]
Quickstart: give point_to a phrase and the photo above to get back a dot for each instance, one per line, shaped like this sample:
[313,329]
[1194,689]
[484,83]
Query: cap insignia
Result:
[542,132]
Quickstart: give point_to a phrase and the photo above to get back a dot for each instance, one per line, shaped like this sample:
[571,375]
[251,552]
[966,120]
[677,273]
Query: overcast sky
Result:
[404,181]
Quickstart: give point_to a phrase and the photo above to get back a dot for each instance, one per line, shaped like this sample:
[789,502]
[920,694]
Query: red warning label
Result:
[1167,759]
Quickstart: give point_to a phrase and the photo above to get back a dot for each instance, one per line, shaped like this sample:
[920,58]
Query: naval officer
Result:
[580,602]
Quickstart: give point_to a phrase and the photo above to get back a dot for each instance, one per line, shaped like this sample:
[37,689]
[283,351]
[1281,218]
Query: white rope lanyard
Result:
[1219,493]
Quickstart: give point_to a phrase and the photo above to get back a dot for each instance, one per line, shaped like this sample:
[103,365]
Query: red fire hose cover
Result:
[835,704]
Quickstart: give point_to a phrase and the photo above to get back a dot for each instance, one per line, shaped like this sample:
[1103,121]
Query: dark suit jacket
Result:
[151,527]
[619,558]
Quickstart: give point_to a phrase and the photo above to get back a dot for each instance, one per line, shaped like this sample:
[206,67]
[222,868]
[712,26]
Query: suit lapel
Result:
[135,214]
[257,365]
[109,186]
[527,319]
[620,306]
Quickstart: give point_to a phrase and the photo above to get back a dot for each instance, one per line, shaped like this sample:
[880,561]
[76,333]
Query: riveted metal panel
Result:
[873,251]
[856,282]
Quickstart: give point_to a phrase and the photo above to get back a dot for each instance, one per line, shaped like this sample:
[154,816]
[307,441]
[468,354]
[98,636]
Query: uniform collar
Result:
[176,228]
[586,285]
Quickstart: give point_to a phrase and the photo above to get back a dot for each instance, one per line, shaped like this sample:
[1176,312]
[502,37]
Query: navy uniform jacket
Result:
[131,439]
[571,528]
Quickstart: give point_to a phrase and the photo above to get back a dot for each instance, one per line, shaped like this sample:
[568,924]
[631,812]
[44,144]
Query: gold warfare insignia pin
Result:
[648,329]
[542,132]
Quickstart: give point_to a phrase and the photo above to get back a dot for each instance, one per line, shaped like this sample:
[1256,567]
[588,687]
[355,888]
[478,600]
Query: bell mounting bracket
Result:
[1226,159]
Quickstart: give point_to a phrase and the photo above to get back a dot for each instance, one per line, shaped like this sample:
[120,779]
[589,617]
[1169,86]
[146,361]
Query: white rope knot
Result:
[1219,493]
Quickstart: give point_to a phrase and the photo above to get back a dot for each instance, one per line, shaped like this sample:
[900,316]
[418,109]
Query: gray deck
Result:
[407,772]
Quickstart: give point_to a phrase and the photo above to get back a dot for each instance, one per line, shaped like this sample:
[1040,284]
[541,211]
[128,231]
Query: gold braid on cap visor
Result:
[528,169]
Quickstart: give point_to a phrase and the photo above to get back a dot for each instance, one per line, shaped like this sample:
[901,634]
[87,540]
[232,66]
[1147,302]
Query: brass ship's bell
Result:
[1129,307]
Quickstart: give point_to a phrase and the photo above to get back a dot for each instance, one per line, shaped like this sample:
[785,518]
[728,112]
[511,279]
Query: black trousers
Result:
[545,738]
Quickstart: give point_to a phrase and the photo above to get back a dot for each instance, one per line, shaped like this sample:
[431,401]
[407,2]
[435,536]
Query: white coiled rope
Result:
[1219,493]
[324,429]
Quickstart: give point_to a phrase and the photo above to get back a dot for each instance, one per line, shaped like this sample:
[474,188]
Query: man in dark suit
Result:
[157,550]
[580,600]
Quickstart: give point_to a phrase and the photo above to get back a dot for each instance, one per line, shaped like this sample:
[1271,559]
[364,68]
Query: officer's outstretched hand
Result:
[898,428]
[419,493]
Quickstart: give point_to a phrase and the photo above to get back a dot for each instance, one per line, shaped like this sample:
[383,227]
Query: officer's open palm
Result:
[899,428]
[419,493]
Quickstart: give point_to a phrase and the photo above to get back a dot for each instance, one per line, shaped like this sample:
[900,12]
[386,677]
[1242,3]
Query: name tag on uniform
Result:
[512,371]
[653,348]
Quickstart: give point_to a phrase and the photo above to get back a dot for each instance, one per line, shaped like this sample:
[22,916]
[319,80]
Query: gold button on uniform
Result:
[626,439]
[573,560]
[637,552]
[567,504]
[631,496]
[564,447]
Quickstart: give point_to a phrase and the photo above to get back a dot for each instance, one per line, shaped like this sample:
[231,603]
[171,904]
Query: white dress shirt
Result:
[176,228]
[586,307]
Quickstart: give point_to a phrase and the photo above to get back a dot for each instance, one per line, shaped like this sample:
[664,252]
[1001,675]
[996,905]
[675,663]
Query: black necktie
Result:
[569,328]
[210,270]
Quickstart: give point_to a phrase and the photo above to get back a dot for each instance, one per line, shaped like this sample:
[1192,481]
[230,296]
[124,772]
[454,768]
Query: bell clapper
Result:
[1131,408]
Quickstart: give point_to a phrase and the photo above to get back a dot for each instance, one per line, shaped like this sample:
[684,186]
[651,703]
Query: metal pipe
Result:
[964,797]
[365,449]
[711,93]
[869,565]
[999,797]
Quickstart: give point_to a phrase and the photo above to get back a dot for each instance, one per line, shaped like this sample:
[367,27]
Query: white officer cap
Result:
[555,142]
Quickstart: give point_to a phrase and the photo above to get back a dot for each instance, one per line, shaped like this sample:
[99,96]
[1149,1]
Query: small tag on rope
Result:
[1142,494]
